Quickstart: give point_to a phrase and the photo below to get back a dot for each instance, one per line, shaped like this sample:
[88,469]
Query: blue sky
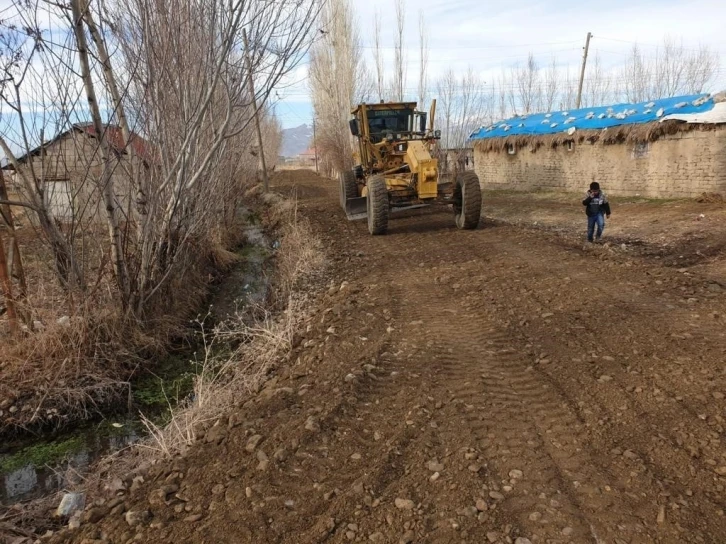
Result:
[491,36]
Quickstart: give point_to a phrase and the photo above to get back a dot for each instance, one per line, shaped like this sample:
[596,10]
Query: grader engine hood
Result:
[424,167]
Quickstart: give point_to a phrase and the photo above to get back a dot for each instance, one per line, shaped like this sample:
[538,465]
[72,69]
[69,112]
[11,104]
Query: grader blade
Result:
[355,208]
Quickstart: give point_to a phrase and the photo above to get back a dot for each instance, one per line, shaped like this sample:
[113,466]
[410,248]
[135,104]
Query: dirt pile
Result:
[710,198]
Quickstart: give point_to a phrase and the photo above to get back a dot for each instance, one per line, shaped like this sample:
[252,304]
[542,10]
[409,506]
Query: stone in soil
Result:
[435,466]
[137,517]
[253,442]
[404,504]
[407,537]
[312,425]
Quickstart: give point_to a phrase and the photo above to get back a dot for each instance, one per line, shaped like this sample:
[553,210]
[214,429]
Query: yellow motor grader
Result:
[395,170]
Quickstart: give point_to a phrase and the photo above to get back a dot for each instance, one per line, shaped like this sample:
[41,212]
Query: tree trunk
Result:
[78,7]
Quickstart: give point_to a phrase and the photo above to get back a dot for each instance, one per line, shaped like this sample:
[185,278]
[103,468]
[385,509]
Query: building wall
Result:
[71,168]
[681,165]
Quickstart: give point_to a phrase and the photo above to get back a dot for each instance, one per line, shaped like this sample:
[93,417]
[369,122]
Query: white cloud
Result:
[489,36]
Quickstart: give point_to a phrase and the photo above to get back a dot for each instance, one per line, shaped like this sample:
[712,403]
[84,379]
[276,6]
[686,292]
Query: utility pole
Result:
[315,147]
[582,72]
[251,86]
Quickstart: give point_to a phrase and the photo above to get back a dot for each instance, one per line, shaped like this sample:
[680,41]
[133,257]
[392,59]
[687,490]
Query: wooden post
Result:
[582,71]
[251,86]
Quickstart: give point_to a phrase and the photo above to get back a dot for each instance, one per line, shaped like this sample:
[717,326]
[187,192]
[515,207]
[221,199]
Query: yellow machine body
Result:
[395,142]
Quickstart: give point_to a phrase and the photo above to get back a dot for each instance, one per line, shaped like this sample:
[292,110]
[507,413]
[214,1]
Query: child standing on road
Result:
[597,208]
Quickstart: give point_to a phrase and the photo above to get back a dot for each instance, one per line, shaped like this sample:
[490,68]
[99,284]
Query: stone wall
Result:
[71,168]
[682,165]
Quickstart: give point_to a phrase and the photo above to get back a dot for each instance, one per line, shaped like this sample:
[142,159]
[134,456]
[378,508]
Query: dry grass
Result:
[648,132]
[237,358]
[72,368]
[262,336]
[64,371]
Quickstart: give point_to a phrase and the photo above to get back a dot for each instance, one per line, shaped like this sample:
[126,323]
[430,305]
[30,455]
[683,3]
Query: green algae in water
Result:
[49,453]
[173,381]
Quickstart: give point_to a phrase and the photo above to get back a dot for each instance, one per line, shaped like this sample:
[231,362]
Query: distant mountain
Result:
[296,140]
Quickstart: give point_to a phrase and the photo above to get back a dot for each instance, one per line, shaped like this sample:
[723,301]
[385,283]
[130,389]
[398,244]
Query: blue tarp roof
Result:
[595,118]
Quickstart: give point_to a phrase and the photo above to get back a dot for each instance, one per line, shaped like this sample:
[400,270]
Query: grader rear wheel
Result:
[377,206]
[348,187]
[467,200]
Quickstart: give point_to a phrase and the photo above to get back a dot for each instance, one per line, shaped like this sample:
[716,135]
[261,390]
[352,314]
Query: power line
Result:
[648,44]
[479,46]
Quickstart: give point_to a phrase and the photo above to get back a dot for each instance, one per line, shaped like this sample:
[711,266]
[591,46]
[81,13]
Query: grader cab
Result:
[396,171]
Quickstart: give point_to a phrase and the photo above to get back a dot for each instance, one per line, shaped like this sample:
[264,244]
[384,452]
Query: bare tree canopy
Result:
[338,78]
[170,118]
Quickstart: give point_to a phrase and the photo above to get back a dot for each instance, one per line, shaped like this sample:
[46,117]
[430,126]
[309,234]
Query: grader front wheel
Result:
[467,200]
[377,206]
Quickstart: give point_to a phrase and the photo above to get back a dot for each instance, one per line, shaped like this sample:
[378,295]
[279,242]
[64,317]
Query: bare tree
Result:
[672,71]
[464,106]
[597,84]
[669,70]
[500,95]
[636,75]
[337,79]
[527,91]
[569,94]
[471,109]
[423,61]
[446,87]
[701,69]
[399,62]
[551,85]
[185,93]
[378,54]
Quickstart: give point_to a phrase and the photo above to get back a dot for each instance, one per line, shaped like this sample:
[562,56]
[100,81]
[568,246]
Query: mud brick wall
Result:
[681,165]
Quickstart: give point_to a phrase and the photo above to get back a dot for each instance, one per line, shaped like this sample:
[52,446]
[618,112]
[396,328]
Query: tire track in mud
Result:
[666,468]
[637,486]
[519,424]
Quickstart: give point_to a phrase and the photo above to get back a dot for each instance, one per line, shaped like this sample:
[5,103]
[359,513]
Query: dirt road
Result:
[497,385]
